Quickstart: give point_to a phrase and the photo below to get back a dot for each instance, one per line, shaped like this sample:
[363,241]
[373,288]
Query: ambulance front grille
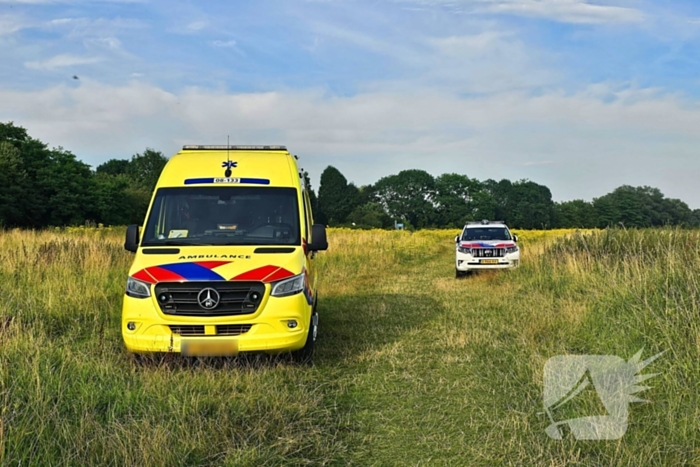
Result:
[235,297]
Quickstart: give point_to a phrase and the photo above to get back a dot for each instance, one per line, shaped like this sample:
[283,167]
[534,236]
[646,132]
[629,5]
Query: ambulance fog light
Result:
[131,326]
[292,323]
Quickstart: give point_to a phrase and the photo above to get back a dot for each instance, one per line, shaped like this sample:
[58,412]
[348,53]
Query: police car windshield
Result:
[486,233]
[223,216]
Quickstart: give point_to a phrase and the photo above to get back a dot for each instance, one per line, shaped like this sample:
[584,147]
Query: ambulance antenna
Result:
[228,156]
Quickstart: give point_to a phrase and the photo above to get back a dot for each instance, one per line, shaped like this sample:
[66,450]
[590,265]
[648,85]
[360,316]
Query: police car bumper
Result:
[469,263]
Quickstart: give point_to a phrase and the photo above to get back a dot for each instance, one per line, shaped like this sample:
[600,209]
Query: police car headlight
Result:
[466,251]
[512,249]
[287,287]
[137,289]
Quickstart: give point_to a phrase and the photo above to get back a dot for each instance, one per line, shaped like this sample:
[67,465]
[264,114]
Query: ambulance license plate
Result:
[205,347]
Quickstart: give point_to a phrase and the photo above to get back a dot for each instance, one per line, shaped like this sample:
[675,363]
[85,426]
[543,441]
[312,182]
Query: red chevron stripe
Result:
[143,275]
[257,274]
[163,275]
[278,275]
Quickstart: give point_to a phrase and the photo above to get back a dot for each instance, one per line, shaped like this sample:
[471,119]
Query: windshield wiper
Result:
[181,243]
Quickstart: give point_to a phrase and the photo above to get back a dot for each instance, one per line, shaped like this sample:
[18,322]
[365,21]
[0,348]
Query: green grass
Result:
[413,367]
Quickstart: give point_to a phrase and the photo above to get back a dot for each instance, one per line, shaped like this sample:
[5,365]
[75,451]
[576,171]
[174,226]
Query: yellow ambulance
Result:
[225,260]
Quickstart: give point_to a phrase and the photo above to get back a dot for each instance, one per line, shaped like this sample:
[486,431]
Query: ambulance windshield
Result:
[223,216]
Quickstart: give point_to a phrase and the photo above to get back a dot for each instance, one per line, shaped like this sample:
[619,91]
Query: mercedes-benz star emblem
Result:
[208,298]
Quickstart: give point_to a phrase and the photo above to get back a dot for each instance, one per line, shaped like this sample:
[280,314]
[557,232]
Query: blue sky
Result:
[581,96]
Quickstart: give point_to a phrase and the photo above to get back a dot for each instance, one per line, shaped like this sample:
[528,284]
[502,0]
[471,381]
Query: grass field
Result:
[413,367]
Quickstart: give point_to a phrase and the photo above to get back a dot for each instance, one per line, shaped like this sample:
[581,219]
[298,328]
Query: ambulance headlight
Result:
[287,287]
[137,289]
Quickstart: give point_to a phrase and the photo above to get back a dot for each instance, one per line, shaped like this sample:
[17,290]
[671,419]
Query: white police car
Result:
[485,245]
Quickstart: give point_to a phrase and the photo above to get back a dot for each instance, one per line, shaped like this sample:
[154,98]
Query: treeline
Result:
[42,187]
[419,200]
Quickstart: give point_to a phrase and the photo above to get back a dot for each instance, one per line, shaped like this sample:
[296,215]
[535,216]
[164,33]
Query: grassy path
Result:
[441,371]
[413,366]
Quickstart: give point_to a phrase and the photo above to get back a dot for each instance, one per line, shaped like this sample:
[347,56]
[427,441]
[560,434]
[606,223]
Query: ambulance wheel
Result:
[305,355]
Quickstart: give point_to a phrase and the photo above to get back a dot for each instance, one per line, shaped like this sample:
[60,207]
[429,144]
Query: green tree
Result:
[13,181]
[66,190]
[640,207]
[312,195]
[694,218]
[499,201]
[455,200]
[336,197]
[370,215]
[575,214]
[118,201]
[530,206]
[55,187]
[145,168]
[12,134]
[408,196]
[114,167]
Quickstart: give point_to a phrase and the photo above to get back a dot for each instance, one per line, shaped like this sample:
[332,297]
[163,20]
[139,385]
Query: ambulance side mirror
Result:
[318,236]
[132,238]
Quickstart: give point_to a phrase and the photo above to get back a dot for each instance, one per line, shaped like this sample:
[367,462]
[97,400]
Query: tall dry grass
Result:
[413,367]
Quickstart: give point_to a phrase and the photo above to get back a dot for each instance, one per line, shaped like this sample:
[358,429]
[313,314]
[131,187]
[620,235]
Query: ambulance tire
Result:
[305,355]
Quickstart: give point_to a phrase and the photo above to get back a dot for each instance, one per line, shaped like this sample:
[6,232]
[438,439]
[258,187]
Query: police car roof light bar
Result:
[484,222]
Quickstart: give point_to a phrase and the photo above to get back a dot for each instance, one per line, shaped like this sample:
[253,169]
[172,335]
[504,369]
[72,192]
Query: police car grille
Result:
[236,298]
[488,252]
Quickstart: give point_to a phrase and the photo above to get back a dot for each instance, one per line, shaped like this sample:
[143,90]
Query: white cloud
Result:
[580,145]
[403,50]
[196,26]
[490,61]
[10,24]
[61,61]
[110,43]
[474,44]
[92,27]
[223,44]
[568,11]
[49,2]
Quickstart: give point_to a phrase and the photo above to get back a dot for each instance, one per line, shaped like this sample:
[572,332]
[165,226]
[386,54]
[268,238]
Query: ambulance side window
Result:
[307,216]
